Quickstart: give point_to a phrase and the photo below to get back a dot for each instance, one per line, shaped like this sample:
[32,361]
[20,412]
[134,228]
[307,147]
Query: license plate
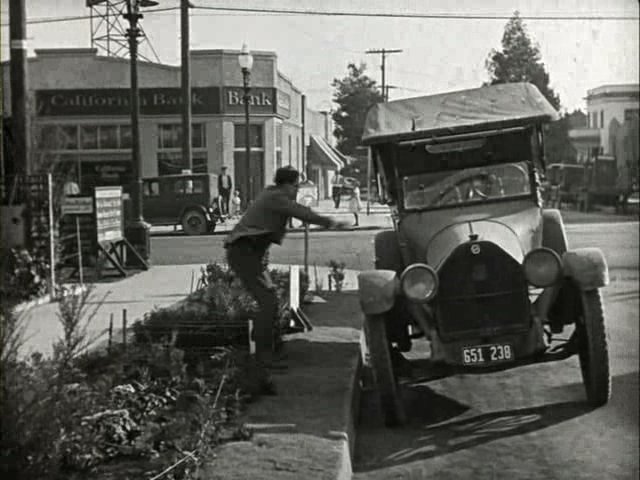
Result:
[487,354]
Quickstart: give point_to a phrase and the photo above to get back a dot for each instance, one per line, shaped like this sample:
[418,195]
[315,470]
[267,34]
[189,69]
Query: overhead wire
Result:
[279,11]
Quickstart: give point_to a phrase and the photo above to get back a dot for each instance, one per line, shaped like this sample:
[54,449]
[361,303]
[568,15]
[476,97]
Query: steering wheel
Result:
[472,190]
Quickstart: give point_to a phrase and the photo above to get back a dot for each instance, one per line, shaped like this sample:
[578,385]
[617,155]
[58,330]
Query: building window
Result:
[601,118]
[278,128]
[255,136]
[170,136]
[594,120]
[298,153]
[290,154]
[84,137]
[170,158]
[631,113]
[108,137]
[173,163]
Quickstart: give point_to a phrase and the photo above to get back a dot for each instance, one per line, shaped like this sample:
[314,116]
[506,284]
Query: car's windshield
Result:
[457,187]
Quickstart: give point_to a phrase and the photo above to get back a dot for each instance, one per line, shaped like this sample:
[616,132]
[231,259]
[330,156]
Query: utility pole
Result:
[19,88]
[186,84]
[384,52]
[386,93]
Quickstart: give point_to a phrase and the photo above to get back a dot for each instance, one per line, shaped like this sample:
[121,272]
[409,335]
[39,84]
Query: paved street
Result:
[619,241]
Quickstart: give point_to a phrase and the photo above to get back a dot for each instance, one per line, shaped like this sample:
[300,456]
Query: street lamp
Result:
[245,59]
[137,231]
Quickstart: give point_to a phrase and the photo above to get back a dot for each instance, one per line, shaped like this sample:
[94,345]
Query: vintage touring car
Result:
[475,264]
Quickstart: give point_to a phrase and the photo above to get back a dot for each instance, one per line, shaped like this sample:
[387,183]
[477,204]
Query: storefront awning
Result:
[324,155]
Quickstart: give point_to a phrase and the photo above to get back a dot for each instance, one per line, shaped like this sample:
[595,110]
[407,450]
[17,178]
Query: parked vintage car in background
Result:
[189,200]
[475,264]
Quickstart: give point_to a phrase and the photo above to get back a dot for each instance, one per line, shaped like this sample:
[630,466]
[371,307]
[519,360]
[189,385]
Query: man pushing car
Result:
[265,223]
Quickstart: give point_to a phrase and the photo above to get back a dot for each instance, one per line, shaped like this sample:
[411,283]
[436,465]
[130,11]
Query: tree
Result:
[520,61]
[354,94]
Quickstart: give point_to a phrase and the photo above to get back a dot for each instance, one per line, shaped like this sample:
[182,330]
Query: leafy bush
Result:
[79,413]
[216,314]
[24,275]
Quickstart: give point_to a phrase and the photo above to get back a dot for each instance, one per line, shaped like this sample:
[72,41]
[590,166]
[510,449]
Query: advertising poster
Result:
[108,214]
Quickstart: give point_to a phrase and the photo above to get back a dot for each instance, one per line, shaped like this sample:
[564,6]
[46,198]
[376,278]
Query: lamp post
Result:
[245,59]
[137,231]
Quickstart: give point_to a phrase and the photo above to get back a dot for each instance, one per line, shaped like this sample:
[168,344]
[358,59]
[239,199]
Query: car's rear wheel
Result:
[593,349]
[194,223]
[385,379]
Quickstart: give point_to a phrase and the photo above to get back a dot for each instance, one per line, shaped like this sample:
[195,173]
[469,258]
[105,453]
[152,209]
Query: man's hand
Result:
[339,225]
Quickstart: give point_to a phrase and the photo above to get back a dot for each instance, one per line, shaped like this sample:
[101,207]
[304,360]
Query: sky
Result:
[438,55]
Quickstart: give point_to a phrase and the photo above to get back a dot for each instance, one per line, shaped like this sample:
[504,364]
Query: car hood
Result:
[516,227]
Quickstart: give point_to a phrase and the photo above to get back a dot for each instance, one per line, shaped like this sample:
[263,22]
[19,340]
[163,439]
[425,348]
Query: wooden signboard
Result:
[110,230]
[77,206]
[108,203]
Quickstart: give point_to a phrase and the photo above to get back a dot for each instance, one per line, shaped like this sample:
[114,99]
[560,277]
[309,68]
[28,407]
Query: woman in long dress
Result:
[355,205]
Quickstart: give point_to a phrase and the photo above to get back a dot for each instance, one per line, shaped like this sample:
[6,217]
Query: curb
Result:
[26,306]
[351,412]
[291,230]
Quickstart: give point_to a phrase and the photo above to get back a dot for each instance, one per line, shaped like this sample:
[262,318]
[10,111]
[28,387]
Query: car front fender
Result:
[587,266]
[377,290]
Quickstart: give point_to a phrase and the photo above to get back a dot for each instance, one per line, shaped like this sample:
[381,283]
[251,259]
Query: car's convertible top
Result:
[493,106]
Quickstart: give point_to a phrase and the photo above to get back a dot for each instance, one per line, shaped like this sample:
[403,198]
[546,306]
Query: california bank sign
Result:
[116,101]
[155,101]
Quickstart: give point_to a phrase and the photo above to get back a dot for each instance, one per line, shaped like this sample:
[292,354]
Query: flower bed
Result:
[217,314]
[156,405]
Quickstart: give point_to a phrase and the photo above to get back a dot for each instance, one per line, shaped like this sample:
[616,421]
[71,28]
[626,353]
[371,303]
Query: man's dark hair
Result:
[286,175]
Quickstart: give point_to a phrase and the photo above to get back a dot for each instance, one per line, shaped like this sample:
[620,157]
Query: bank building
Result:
[81,115]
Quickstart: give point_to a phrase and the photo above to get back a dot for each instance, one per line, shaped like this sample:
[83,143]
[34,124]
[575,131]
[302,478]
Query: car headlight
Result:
[419,282]
[542,267]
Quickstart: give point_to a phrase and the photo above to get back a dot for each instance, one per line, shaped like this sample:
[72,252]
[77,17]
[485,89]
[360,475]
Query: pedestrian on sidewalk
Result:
[336,189]
[355,204]
[236,204]
[265,223]
[225,184]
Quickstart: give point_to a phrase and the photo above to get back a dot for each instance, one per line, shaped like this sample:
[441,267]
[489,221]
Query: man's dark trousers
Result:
[225,193]
[245,257]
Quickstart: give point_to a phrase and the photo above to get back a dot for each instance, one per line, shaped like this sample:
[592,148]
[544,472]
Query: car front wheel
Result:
[194,223]
[593,349]
[380,355]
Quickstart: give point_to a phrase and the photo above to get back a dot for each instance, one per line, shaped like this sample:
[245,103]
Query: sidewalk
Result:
[138,294]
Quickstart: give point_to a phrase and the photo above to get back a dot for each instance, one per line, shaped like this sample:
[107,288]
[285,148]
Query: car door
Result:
[152,202]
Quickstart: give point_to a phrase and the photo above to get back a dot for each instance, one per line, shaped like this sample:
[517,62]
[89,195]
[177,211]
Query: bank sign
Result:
[159,101]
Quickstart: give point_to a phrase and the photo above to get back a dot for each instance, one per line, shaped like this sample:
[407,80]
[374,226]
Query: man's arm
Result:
[293,209]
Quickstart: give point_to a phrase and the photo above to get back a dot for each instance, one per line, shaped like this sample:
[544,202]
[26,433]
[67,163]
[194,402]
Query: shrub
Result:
[78,413]
[24,275]
[217,314]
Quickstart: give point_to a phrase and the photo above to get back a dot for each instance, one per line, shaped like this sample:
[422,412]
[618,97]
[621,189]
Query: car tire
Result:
[383,373]
[194,222]
[553,233]
[593,349]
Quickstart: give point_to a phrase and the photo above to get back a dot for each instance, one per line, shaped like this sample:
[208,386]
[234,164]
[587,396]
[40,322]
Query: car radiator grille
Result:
[482,292]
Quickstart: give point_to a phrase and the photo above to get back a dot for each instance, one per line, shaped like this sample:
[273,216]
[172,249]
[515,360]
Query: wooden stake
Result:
[124,328]
[79,242]
[110,333]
